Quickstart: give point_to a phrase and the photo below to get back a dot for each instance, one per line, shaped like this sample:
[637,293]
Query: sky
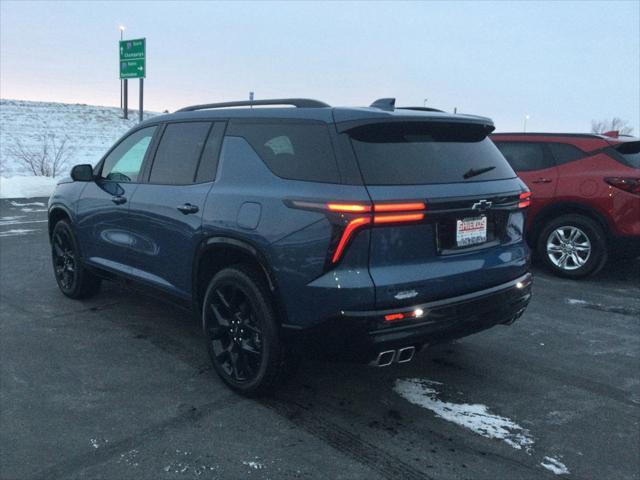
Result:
[561,63]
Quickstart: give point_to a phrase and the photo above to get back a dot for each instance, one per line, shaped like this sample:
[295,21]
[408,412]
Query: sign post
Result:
[133,64]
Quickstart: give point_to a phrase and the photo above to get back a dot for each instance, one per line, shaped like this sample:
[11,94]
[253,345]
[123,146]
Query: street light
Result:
[121,38]
[526,117]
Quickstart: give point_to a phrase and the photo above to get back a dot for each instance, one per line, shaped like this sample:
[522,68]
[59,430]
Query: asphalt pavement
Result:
[120,387]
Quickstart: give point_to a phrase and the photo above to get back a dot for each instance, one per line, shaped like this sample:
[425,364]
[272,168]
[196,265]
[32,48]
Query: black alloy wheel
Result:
[72,277]
[234,332]
[242,333]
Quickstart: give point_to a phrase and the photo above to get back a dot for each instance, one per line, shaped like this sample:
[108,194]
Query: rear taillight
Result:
[349,218]
[628,184]
[525,200]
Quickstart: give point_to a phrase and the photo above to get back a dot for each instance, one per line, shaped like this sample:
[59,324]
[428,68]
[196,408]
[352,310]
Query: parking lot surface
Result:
[120,387]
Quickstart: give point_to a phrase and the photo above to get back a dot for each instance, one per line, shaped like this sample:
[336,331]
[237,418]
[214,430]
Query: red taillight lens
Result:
[407,217]
[399,207]
[349,230]
[628,184]
[525,200]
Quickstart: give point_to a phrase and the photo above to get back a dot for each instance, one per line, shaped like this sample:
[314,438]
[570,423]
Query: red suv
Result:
[586,196]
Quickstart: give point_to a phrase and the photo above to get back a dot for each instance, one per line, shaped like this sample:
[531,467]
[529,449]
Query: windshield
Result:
[410,153]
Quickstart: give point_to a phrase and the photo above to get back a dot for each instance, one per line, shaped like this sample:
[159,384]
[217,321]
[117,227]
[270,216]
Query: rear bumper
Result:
[360,335]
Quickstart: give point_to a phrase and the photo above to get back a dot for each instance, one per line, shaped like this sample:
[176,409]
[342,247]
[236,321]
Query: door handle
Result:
[542,180]
[118,199]
[187,208]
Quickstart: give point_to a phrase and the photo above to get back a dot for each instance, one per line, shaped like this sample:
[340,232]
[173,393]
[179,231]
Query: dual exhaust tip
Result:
[387,357]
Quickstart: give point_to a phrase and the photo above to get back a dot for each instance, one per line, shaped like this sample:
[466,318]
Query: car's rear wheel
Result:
[241,331]
[573,246]
[73,279]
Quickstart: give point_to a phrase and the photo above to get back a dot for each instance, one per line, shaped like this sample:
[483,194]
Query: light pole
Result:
[526,117]
[121,38]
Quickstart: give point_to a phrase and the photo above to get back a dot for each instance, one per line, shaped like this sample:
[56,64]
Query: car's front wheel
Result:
[573,246]
[73,279]
[241,331]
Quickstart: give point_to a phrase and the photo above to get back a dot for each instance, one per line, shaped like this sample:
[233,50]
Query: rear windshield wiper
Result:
[472,172]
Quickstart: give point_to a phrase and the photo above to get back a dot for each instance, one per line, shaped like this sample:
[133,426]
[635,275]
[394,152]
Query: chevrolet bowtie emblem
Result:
[482,205]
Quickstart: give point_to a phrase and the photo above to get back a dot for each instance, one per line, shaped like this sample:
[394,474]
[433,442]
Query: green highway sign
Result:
[133,58]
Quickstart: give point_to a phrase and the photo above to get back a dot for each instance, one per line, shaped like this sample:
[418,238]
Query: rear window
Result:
[410,153]
[292,151]
[525,156]
[565,153]
[628,153]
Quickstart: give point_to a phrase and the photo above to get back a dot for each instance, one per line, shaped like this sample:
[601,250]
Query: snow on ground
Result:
[21,186]
[16,232]
[555,466]
[475,417]
[90,131]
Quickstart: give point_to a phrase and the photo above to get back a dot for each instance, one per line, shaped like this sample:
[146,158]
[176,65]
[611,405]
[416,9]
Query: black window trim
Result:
[146,171]
[97,170]
[217,152]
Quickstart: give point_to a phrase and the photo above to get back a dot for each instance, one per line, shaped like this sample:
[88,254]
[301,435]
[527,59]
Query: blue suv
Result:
[358,233]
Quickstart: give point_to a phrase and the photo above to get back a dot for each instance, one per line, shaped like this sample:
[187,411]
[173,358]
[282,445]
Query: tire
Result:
[73,279]
[572,246]
[242,333]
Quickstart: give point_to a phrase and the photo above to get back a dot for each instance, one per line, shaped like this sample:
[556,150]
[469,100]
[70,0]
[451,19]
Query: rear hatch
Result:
[470,234]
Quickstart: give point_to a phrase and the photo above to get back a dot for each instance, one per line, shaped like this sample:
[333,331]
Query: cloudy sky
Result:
[562,63]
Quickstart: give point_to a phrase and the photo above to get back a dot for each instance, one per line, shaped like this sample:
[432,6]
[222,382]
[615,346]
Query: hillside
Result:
[89,130]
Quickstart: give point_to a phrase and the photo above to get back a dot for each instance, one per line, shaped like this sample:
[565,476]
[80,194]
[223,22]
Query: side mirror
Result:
[82,173]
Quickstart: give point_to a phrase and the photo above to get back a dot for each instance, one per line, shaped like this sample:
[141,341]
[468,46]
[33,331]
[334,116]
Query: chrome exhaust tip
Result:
[406,354]
[385,358]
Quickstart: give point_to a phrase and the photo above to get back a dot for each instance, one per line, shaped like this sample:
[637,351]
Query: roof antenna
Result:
[388,104]
[251,99]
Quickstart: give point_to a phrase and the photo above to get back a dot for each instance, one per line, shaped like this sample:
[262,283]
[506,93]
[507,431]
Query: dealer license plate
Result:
[471,231]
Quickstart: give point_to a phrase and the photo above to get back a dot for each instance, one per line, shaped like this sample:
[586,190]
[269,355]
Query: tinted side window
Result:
[178,153]
[292,151]
[209,160]
[563,152]
[124,162]
[525,156]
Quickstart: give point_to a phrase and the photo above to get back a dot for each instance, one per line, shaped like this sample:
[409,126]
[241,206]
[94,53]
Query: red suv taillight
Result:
[628,184]
[359,215]
[525,200]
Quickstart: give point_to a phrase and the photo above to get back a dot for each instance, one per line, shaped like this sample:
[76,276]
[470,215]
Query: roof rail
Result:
[422,109]
[388,104]
[296,102]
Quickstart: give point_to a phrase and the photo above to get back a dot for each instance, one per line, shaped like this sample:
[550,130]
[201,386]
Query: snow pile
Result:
[555,466]
[89,131]
[22,186]
[475,417]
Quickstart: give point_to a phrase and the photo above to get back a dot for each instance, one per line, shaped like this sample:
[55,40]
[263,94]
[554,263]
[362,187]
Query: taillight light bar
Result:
[404,217]
[349,231]
[348,207]
[525,200]
[364,214]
